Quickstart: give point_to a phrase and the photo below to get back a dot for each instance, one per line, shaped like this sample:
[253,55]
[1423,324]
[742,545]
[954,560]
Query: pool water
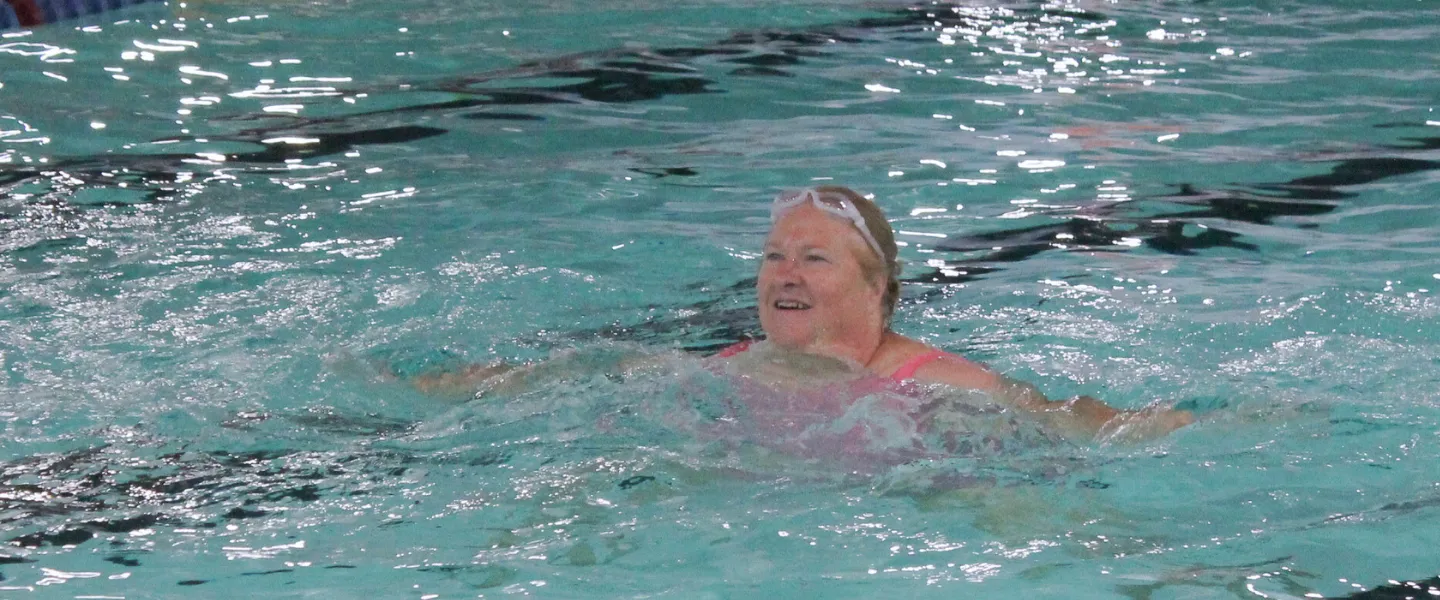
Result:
[224,222]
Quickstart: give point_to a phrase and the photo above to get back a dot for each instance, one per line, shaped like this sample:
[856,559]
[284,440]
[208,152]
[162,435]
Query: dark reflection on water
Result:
[625,76]
[159,175]
[81,497]
[1402,590]
[1167,231]
[1172,232]
[100,490]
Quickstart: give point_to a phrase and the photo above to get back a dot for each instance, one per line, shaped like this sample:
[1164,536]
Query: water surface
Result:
[219,218]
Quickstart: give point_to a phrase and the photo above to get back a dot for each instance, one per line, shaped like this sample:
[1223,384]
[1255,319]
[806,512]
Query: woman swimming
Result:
[827,289]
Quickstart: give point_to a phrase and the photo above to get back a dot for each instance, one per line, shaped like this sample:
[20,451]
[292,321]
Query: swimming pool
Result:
[219,217]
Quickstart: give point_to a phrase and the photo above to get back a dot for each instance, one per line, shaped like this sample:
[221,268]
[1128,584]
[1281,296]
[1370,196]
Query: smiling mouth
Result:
[790,305]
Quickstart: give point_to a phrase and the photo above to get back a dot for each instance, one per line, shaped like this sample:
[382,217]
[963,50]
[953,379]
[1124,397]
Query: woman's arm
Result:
[1087,417]
[1081,417]
[505,378]
[462,382]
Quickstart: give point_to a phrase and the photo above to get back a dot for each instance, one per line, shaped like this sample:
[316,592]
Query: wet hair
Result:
[879,227]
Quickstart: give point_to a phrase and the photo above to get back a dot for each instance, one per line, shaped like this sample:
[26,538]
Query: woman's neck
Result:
[860,349]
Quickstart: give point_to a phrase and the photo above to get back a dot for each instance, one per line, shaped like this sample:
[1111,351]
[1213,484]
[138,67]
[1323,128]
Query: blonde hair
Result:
[880,230]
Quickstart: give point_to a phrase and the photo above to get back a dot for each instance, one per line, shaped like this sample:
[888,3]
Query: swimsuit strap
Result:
[907,370]
[734,349]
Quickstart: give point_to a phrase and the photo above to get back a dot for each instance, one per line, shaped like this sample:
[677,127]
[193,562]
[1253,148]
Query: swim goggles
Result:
[832,202]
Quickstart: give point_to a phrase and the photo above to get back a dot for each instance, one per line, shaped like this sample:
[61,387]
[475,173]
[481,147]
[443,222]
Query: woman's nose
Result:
[779,272]
[788,269]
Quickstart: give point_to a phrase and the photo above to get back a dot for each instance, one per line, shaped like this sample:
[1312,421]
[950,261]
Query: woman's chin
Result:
[791,329]
[792,339]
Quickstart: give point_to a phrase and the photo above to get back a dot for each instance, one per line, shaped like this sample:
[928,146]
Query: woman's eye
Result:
[774,256]
[816,258]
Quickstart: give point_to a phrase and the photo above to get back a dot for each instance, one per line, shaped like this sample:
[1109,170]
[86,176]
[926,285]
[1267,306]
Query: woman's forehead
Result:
[807,220]
[810,227]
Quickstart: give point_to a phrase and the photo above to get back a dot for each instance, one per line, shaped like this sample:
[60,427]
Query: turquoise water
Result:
[219,218]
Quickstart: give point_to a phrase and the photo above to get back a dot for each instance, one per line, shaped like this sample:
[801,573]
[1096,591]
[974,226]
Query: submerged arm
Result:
[462,382]
[1081,417]
[505,378]
[1087,417]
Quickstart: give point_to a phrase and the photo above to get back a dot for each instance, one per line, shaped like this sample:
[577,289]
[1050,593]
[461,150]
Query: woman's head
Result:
[887,263]
[829,270]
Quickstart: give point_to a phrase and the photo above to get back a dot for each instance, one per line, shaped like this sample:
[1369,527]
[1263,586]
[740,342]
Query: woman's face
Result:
[813,293]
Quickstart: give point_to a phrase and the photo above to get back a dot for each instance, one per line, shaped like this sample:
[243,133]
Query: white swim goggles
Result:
[832,202]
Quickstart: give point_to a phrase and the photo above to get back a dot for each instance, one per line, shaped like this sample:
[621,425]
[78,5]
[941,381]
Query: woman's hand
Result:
[1089,418]
[1141,425]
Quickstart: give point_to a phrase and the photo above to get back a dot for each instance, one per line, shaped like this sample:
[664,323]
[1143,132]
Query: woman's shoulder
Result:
[956,370]
[915,360]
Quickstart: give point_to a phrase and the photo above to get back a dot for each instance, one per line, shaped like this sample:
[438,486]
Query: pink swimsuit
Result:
[877,426]
[906,371]
[865,425]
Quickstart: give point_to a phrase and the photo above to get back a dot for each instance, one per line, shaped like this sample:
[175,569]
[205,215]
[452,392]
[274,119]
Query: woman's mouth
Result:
[790,305]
